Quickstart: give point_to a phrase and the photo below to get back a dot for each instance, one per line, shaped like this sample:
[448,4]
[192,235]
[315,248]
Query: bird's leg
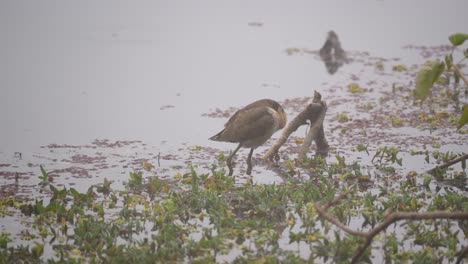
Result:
[229,160]
[249,162]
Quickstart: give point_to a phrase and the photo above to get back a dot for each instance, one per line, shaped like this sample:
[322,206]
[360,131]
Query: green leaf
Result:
[45,176]
[448,61]
[37,250]
[458,38]
[427,76]
[54,190]
[464,117]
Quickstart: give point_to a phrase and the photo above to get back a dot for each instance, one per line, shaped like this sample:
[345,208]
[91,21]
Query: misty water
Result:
[74,72]
[127,82]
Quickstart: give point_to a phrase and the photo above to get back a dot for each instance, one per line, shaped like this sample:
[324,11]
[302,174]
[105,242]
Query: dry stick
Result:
[313,133]
[455,67]
[389,219]
[397,216]
[448,164]
[323,212]
[298,121]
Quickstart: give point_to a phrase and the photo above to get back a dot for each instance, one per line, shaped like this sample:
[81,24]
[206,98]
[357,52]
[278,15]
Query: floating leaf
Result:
[458,38]
[396,121]
[355,88]
[342,117]
[399,68]
[148,166]
[464,117]
[429,74]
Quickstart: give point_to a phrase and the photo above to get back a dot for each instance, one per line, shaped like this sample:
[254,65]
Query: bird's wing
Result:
[249,124]
[256,104]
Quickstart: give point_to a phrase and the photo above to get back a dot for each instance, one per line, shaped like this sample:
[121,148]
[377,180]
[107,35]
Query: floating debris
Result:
[164,107]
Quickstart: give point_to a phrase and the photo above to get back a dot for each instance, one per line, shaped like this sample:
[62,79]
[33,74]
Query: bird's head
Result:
[279,109]
[283,117]
[275,106]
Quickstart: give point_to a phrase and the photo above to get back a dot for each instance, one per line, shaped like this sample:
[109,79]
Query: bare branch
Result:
[338,199]
[455,67]
[336,222]
[388,220]
[397,216]
[448,164]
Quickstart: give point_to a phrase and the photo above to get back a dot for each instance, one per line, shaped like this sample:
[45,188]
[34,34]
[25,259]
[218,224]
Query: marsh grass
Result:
[203,218]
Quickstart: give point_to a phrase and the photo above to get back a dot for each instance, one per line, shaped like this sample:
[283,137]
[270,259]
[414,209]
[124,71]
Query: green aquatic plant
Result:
[44,177]
[387,154]
[432,72]
[399,68]
[4,239]
[427,76]
[205,216]
[342,117]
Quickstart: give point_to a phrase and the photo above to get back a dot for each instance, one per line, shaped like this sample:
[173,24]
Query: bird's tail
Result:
[217,137]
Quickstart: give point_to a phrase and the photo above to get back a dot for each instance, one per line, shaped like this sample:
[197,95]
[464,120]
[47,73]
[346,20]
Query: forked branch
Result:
[388,220]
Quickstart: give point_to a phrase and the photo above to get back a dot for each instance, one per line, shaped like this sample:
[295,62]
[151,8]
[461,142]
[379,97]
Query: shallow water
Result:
[74,72]
[147,78]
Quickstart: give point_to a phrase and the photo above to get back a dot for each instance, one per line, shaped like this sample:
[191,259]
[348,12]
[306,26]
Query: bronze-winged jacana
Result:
[252,126]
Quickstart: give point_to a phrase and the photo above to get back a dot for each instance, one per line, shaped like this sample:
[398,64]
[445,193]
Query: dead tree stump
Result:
[314,113]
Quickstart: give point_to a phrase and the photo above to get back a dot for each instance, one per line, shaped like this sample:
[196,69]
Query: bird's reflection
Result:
[332,54]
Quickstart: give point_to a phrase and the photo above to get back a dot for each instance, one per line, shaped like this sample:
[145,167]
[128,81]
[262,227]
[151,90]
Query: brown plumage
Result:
[252,126]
